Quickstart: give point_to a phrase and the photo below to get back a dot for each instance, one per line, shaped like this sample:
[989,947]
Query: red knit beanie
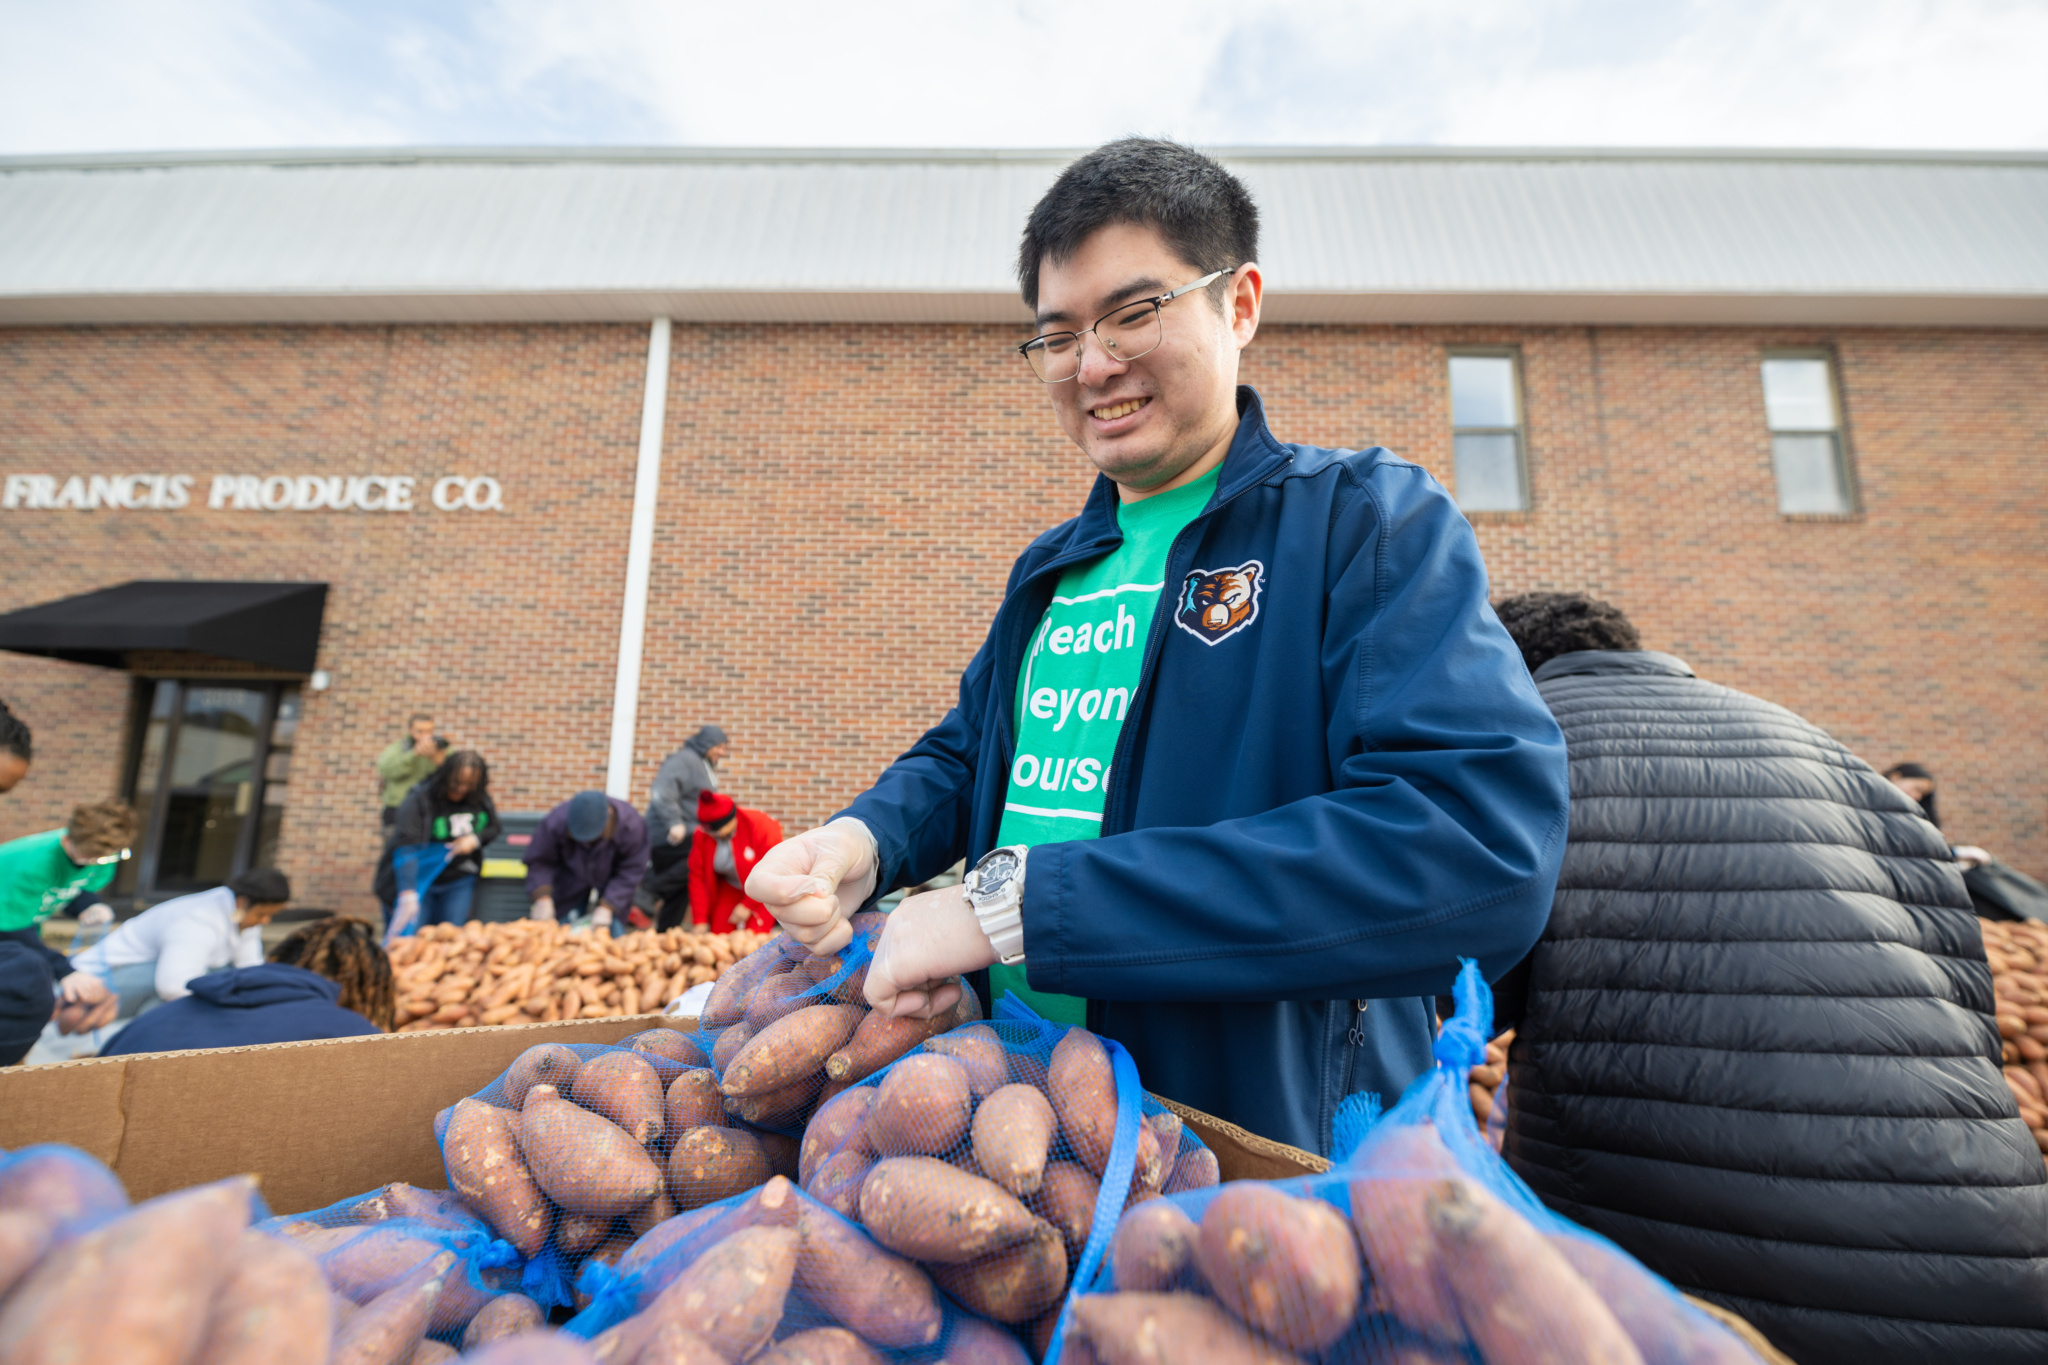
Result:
[714,808]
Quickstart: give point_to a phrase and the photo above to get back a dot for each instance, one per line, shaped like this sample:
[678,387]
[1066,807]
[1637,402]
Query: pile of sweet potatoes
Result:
[2018,954]
[1414,1263]
[981,1162]
[533,971]
[186,1280]
[786,1031]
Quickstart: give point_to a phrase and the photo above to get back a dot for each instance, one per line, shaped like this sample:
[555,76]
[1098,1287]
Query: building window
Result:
[1806,435]
[1486,434]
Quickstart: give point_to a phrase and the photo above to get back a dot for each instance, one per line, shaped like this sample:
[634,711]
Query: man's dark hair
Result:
[416,717]
[261,886]
[1203,211]
[462,760]
[14,737]
[1547,624]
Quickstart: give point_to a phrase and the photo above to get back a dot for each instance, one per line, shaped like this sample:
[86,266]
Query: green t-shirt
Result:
[1075,689]
[38,878]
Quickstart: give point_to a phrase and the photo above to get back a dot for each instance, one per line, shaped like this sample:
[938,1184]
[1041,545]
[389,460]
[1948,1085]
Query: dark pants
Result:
[666,887]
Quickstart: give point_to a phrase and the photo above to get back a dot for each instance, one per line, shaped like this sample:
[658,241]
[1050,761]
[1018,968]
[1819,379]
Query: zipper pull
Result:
[1357,1034]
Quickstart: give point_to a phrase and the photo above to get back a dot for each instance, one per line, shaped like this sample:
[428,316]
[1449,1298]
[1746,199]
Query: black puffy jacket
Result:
[1758,1047]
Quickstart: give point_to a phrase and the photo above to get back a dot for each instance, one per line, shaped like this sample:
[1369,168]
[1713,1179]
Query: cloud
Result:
[136,74]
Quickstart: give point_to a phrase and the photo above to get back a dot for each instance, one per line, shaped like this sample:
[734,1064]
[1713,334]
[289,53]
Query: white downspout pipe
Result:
[618,772]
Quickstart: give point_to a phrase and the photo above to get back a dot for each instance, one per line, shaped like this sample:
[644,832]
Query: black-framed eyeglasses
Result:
[1125,332]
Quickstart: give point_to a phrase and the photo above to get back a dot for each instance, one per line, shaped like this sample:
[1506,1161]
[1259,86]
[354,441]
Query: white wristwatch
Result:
[995,888]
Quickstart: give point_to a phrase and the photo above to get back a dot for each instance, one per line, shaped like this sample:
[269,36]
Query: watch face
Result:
[994,872]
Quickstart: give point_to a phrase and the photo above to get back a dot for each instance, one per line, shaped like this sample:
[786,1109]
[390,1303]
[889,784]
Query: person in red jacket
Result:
[732,839]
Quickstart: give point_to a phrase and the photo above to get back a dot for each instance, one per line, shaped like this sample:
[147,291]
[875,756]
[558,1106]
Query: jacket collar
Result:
[1582,662]
[1252,457]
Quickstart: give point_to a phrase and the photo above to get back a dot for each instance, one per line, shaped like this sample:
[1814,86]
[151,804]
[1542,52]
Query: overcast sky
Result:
[122,75]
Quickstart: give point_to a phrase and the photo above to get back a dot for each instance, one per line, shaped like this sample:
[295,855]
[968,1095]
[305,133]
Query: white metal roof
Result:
[1351,235]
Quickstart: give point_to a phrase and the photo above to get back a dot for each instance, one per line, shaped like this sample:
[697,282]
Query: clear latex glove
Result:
[927,944]
[815,882]
[601,918]
[405,914]
[676,832]
[83,988]
[543,908]
[95,915]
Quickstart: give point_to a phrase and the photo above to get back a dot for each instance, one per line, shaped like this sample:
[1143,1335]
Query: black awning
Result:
[276,624]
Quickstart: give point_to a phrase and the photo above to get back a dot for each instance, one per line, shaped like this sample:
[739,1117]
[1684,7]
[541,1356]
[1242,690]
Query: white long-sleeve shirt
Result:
[185,938]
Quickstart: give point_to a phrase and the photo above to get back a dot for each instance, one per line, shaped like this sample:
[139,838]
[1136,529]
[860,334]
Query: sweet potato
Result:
[1389,1215]
[623,1087]
[538,1347]
[674,1344]
[775,1109]
[727,1003]
[24,1236]
[777,998]
[1195,1170]
[389,1327]
[1013,1285]
[1662,1327]
[1165,1329]
[548,1064]
[930,1211]
[877,1041]
[481,1151]
[274,1308]
[59,1182]
[733,1294]
[1066,1199]
[729,1045]
[431,1352]
[585,1163]
[710,1164]
[380,1256]
[137,1289]
[1519,1299]
[977,1048]
[1154,1247]
[838,1123]
[440,1208]
[1289,1267]
[1157,1158]
[1013,1132]
[671,1043]
[885,1298]
[821,1346]
[505,1316]
[922,1108]
[693,1102]
[971,1341]
[790,1050]
[838,1180]
[1082,1087]
[577,1233]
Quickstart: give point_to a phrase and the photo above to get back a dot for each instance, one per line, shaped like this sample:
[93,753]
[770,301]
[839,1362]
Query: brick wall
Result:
[840,506]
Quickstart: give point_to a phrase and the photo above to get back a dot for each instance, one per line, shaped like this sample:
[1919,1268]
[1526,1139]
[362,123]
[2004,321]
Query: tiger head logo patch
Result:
[1216,604]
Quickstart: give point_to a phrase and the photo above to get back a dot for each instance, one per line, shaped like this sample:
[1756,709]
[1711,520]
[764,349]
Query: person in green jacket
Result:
[41,873]
[408,761]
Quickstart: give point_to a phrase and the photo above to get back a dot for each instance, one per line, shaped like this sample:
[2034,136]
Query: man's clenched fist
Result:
[815,882]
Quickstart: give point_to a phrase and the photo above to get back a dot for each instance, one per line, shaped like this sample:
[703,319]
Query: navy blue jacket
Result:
[1311,818]
[272,1003]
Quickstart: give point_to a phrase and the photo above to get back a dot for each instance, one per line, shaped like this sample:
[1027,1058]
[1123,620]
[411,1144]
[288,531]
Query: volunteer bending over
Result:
[42,873]
[152,957]
[1246,763]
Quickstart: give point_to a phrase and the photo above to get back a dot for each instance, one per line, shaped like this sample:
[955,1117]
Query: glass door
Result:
[208,782]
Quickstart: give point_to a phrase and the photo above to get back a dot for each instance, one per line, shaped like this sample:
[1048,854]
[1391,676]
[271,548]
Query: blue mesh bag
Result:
[997,1157]
[415,866]
[775,1275]
[784,1030]
[1420,1246]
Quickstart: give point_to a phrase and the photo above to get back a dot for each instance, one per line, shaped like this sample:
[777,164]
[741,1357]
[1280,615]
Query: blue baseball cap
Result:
[588,812]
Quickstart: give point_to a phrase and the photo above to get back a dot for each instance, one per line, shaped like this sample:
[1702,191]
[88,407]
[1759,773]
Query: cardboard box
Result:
[319,1122]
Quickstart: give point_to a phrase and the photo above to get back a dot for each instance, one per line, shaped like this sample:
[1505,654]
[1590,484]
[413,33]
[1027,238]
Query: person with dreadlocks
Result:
[452,807]
[330,979]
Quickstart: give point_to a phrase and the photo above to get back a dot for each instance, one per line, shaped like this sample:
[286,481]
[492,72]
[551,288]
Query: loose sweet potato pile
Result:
[533,971]
[2018,954]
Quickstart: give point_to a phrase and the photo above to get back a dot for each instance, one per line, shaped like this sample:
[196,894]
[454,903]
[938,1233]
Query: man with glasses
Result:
[1246,763]
[42,873]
